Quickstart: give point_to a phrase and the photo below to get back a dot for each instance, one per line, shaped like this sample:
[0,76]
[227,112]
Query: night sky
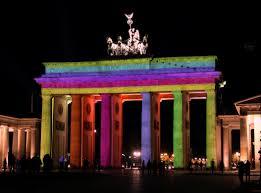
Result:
[32,33]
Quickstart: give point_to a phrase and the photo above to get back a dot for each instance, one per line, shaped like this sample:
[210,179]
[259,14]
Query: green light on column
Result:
[46,126]
[211,127]
[177,131]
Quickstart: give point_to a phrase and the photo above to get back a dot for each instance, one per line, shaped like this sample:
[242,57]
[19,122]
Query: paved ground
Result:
[126,181]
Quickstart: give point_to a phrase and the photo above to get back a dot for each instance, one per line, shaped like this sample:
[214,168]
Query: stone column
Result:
[28,143]
[146,128]
[178,145]
[105,130]
[46,126]
[21,143]
[257,134]
[243,138]
[155,113]
[226,147]
[88,135]
[75,157]
[5,142]
[116,131]
[218,142]
[186,128]
[211,127]
[33,143]
[15,142]
[1,146]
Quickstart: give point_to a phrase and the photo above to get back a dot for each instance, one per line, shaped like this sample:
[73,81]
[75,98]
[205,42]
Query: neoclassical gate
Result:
[112,82]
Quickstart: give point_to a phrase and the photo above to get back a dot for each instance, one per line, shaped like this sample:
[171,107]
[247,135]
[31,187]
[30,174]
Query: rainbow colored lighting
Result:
[130,72]
[143,75]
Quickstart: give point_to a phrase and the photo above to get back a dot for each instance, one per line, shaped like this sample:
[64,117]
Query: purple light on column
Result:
[105,130]
[146,127]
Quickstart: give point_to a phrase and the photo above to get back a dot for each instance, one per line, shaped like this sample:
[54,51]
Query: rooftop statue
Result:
[132,46]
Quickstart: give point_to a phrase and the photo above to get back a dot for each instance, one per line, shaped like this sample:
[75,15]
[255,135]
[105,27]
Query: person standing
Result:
[143,167]
[5,165]
[221,166]
[212,166]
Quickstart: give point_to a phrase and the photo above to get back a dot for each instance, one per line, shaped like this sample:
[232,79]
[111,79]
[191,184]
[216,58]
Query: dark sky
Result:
[32,33]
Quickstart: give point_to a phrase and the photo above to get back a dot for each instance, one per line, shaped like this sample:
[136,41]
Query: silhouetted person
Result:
[221,166]
[212,166]
[95,166]
[190,166]
[47,161]
[143,167]
[163,168]
[23,164]
[85,164]
[5,165]
[29,165]
[201,165]
[160,168]
[61,163]
[66,162]
[154,167]
[36,164]
[11,162]
[247,170]
[240,171]
[149,167]
[253,163]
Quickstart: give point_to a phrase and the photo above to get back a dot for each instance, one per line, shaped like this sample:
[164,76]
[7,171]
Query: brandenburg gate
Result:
[112,82]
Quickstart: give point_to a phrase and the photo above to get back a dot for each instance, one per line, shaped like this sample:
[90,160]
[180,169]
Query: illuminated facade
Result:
[21,136]
[248,121]
[113,82]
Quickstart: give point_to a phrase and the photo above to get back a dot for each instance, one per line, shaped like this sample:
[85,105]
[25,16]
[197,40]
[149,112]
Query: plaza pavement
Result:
[127,181]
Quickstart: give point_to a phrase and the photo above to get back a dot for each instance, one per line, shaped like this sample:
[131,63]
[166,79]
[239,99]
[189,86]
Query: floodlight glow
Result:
[136,153]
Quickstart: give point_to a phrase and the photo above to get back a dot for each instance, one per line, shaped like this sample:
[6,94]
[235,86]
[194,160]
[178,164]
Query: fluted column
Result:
[15,142]
[116,131]
[1,146]
[28,143]
[46,126]
[5,142]
[243,138]
[178,145]
[226,147]
[155,114]
[33,144]
[106,130]
[88,135]
[257,130]
[76,131]
[186,128]
[211,127]
[21,143]
[146,153]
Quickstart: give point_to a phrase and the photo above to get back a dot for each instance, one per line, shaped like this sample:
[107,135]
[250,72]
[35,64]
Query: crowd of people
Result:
[33,166]
[155,168]
[23,165]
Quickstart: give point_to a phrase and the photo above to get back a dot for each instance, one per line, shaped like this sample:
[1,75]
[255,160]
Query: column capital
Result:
[46,96]
[210,91]
[177,91]
[32,129]
[4,126]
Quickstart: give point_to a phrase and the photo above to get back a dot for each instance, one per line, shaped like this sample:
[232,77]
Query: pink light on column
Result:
[105,130]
